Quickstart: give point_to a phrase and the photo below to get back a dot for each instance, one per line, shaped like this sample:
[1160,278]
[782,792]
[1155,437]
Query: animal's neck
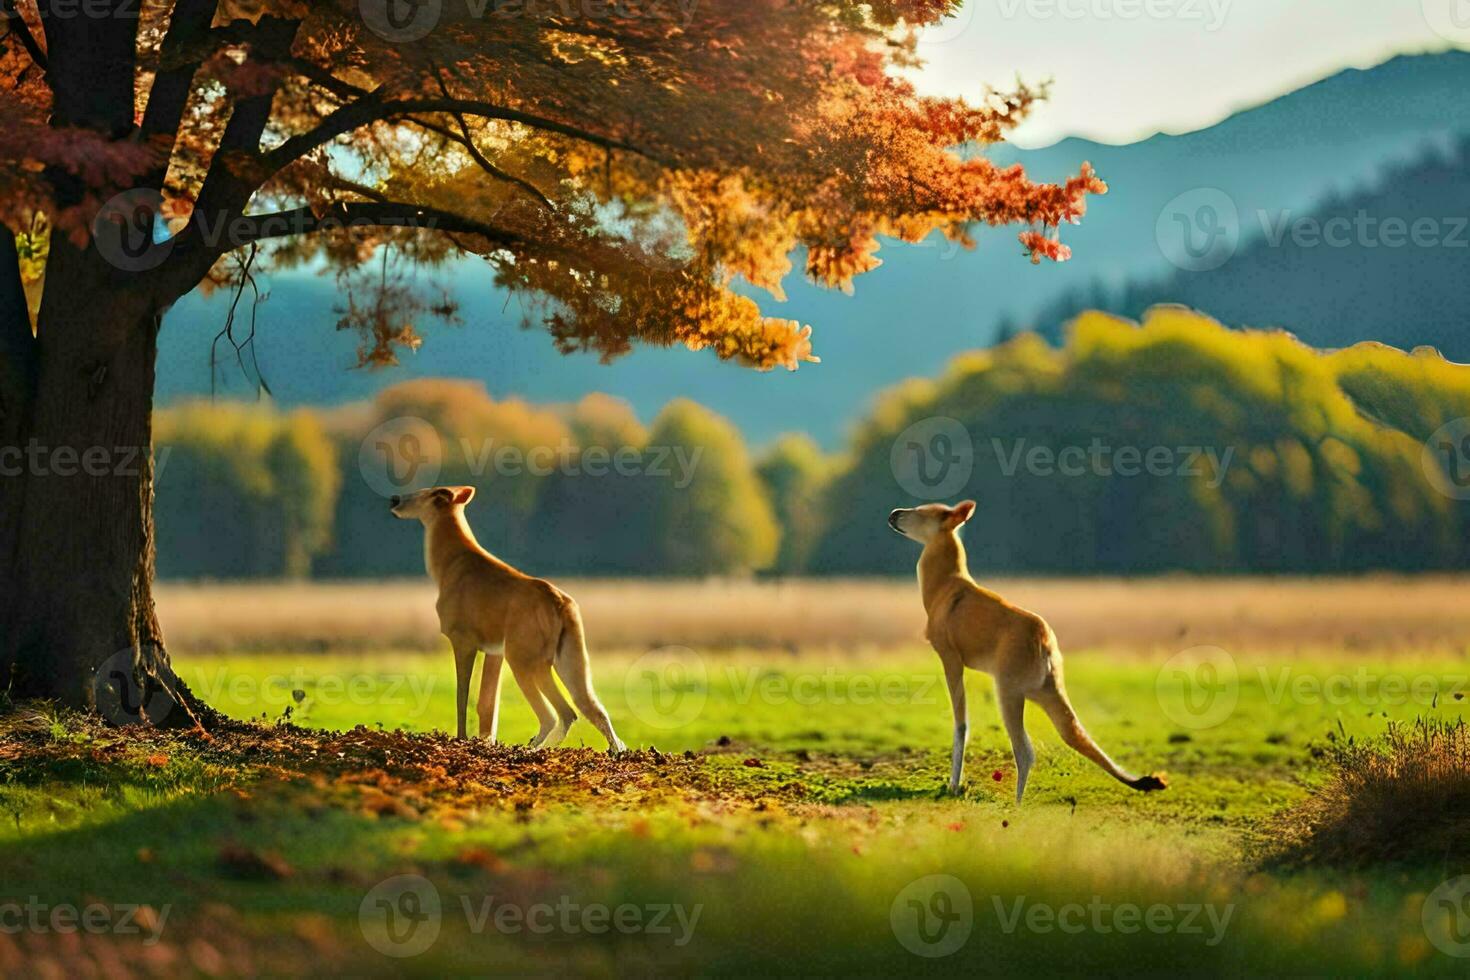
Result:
[942,562]
[444,539]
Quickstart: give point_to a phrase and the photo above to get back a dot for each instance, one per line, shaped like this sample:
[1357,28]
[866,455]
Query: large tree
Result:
[623,162]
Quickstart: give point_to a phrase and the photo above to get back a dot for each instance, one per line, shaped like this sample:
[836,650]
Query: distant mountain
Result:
[1389,263]
[909,317]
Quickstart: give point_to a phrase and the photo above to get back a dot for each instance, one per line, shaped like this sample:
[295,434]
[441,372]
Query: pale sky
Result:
[1126,69]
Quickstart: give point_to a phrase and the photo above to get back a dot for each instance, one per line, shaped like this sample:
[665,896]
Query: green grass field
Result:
[792,821]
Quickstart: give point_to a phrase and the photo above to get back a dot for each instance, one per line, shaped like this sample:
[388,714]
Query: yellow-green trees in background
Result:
[1269,456]
[246,491]
[1175,444]
[462,436]
[242,491]
[595,511]
[709,514]
[795,472]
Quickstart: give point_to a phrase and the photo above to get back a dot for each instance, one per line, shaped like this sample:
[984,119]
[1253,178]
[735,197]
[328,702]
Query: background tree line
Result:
[247,491]
[1279,458]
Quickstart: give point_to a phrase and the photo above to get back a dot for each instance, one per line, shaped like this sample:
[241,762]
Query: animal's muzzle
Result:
[394,501]
[893,520]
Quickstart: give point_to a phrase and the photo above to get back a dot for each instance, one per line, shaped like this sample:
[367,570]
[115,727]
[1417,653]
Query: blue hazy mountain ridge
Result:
[1388,263]
[905,319]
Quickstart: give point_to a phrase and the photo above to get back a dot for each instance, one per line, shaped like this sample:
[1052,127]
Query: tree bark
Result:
[77,489]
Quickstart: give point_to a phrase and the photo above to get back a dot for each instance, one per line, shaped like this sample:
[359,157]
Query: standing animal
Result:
[973,627]
[528,623]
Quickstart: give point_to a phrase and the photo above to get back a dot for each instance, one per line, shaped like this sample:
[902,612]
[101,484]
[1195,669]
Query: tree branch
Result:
[318,75]
[484,164]
[167,99]
[467,140]
[353,187]
[373,108]
[380,214]
[22,30]
[230,181]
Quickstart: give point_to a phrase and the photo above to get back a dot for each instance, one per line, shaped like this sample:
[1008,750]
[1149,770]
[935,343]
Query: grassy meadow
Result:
[782,812]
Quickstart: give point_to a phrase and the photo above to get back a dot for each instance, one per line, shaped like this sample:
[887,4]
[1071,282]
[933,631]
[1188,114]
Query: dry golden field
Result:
[1370,615]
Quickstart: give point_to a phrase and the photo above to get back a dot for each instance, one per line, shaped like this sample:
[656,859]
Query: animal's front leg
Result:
[954,677]
[489,704]
[464,667]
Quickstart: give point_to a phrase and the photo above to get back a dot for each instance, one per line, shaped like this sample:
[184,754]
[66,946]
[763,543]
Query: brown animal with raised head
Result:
[973,627]
[528,623]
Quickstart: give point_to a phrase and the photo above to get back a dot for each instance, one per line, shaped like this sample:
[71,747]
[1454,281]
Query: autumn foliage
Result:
[620,165]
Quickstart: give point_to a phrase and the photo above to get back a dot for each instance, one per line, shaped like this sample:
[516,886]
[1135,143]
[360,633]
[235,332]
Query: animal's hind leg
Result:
[576,673]
[526,681]
[1052,696]
[564,713]
[1013,715]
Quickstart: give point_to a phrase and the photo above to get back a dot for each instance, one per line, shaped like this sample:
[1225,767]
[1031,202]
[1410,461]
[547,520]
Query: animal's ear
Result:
[463,495]
[961,512]
[443,496]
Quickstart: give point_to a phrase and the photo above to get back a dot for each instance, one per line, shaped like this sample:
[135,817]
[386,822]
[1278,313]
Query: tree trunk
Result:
[77,493]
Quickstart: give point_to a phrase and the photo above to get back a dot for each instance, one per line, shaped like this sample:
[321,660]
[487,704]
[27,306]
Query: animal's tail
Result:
[1053,699]
[574,667]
